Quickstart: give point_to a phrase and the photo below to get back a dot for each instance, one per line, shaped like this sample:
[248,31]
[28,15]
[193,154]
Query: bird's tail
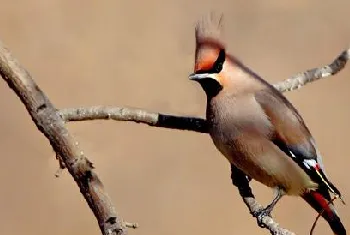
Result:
[320,201]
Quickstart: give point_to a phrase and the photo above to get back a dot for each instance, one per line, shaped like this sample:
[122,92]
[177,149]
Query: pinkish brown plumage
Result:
[256,128]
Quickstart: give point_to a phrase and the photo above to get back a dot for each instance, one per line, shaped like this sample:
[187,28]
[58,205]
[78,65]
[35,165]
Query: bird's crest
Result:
[209,29]
[209,40]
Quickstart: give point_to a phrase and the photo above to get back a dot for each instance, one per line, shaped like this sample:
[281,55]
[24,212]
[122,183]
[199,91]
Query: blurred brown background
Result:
[138,54]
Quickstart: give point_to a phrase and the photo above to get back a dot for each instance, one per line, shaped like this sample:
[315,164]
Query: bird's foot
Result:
[261,214]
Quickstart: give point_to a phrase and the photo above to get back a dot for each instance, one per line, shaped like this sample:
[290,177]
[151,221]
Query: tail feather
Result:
[319,200]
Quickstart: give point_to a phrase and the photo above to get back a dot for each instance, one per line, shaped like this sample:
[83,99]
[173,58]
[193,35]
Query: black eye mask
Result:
[217,66]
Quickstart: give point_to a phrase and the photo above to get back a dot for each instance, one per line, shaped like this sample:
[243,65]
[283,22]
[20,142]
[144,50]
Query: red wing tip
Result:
[317,167]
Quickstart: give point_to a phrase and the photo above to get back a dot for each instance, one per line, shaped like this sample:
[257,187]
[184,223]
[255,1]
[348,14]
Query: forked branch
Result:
[199,124]
[51,122]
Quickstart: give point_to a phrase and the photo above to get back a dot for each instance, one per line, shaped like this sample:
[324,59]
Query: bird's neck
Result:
[211,87]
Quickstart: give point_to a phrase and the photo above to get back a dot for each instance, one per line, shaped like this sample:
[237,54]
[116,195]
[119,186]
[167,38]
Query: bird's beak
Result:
[199,76]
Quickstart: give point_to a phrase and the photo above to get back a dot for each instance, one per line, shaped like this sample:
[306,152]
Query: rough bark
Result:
[50,123]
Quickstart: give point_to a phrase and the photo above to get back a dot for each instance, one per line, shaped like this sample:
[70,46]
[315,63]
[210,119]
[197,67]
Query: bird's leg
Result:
[241,181]
[260,214]
[278,194]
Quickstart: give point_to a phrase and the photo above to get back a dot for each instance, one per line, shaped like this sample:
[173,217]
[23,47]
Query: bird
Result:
[257,128]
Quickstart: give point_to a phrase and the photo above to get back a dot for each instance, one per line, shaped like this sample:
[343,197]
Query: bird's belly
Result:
[260,159]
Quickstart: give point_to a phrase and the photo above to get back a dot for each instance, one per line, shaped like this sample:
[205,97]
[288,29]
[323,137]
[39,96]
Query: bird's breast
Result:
[232,118]
[229,117]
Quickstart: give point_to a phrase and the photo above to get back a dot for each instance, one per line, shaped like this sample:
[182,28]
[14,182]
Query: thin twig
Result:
[134,115]
[50,123]
[131,225]
[241,181]
[301,79]
[199,125]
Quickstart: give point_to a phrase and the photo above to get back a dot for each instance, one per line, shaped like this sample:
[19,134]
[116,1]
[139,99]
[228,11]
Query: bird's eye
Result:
[217,67]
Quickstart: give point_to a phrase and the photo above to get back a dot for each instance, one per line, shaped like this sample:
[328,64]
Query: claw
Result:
[264,212]
[260,214]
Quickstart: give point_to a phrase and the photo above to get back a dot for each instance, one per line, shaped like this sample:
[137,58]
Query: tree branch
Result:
[199,125]
[50,123]
[311,75]
[135,115]
[241,181]
[193,123]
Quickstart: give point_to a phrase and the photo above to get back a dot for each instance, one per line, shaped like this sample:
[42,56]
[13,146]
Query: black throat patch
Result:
[209,85]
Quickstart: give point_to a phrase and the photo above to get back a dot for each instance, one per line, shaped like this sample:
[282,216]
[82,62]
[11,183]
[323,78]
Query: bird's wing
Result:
[292,136]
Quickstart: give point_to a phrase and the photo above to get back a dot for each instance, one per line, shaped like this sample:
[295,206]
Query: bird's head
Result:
[210,55]
[208,71]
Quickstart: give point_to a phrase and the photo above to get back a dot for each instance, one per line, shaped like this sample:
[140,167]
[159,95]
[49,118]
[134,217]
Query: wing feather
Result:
[292,136]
